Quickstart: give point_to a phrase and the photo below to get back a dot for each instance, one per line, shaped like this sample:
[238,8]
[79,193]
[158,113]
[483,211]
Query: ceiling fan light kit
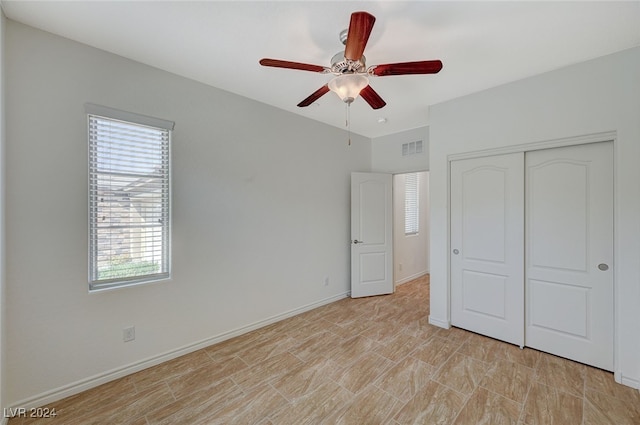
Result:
[348,86]
[349,67]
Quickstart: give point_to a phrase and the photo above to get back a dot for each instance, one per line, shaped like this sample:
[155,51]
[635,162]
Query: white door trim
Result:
[609,136]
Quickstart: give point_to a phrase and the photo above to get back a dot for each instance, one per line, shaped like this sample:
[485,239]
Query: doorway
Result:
[410,226]
[389,231]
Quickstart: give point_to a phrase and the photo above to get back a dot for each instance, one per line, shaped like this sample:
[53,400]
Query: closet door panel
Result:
[487,207]
[569,252]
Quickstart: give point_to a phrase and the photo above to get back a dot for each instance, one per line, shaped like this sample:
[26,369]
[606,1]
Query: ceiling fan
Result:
[350,68]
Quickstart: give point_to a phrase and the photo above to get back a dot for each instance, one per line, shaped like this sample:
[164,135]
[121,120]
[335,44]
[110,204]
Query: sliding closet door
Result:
[569,252]
[487,246]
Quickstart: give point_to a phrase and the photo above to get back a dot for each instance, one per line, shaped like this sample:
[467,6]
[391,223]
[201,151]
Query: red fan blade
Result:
[372,98]
[359,30]
[291,65]
[314,96]
[420,67]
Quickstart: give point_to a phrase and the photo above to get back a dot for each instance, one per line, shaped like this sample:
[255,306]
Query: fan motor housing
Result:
[342,65]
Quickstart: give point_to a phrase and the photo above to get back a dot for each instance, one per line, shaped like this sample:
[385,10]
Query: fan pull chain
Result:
[348,119]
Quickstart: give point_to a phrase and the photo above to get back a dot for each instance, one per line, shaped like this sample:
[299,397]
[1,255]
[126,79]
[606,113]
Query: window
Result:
[129,198]
[411,207]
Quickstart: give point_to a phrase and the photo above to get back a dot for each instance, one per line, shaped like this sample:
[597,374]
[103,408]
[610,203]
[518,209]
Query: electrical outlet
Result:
[400,267]
[326,281]
[129,334]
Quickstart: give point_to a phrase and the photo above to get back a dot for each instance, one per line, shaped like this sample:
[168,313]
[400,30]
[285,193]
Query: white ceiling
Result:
[482,44]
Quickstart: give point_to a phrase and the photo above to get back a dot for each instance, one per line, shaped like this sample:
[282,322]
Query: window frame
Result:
[106,113]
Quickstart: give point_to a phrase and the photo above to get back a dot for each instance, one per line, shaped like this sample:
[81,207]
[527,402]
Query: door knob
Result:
[456,252]
[603,267]
[355,241]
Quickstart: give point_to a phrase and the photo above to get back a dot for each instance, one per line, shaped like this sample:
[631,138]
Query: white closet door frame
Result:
[527,147]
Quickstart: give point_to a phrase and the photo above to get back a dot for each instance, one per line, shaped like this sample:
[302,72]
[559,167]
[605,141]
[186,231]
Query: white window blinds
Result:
[411,204]
[129,205]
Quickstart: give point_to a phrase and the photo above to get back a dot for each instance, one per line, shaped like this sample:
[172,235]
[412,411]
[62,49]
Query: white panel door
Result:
[371,235]
[487,246]
[569,252]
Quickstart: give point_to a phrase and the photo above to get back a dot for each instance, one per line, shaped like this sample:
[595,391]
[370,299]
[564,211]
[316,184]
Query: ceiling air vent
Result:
[412,148]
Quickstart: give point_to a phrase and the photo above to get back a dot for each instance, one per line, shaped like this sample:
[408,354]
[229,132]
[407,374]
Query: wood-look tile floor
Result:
[358,361]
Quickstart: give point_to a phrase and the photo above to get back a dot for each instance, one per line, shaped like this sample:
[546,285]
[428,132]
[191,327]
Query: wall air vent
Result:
[412,148]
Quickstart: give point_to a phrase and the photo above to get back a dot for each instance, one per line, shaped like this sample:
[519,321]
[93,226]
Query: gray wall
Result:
[600,95]
[260,217]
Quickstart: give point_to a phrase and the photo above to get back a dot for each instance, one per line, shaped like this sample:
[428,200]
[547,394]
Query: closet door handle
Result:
[603,267]
[456,252]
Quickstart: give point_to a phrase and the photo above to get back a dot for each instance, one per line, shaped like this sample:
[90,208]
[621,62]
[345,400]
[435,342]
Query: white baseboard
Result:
[439,323]
[630,382]
[410,278]
[102,378]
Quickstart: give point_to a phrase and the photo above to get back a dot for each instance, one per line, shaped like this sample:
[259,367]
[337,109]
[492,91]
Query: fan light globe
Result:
[348,86]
